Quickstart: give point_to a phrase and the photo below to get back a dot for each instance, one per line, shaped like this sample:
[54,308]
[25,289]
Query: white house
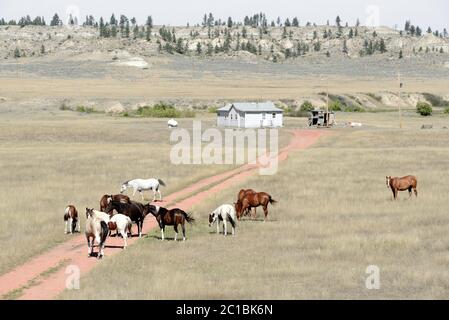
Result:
[250,115]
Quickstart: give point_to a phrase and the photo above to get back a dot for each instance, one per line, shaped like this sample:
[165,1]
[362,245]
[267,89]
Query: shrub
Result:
[64,107]
[424,109]
[85,109]
[212,109]
[354,108]
[335,106]
[163,110]
[307,106]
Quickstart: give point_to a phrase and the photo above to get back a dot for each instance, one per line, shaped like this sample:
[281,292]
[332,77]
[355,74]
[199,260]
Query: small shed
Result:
[250,115]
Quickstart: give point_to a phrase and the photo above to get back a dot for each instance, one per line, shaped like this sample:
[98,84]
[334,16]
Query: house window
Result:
[264,115]
[274,115]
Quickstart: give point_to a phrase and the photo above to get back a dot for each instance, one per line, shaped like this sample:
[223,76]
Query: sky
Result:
[391,13]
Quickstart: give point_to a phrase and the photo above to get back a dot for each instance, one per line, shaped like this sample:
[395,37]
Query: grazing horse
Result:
[122,224]
[144,185]
[97,229]
[407,183]
[104,201]
[173,217]
[240,197]
[254,200]
[223,213]
[133,210]
[72,223]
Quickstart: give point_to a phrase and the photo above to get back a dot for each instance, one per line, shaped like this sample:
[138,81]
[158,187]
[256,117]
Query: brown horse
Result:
[106,199]
[254,200]
[407,183]
[173,217]
[240,197]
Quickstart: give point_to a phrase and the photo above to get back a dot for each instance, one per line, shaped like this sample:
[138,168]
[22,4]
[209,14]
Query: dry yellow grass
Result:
[206,87]
[335,217]
[51,160]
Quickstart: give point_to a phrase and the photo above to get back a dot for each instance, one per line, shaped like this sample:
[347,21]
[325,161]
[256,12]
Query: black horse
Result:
[167,217]
[133,210]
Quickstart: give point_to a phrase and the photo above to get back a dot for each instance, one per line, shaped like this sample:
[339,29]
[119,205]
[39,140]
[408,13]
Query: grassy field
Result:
[335,217]
[50,160]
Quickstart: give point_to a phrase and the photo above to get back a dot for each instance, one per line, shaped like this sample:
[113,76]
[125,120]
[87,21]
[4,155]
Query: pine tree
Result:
[198,48]
[102,33]
[407,26]
[42,49]
[401,54]
[229,24]
[338,21]
[295,22]
[127,29]
[113,21]
[55,21]
[17,53]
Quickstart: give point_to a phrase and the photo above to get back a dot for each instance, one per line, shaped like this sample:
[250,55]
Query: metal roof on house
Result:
[252,107]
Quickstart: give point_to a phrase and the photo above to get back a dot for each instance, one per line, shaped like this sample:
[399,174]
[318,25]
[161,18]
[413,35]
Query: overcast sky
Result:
[432,13]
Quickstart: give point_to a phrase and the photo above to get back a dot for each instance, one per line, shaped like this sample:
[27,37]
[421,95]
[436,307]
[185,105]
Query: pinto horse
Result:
[72,223]
[173,217]
[407,183]
[97,230]
[134,210]
[254,200]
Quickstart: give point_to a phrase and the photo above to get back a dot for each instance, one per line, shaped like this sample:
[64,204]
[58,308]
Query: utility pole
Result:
[400,95]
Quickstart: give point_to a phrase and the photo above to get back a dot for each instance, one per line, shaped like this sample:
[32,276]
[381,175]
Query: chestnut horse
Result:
[241,195]
[106,199]
[254,200]
[173,217]
[407,183]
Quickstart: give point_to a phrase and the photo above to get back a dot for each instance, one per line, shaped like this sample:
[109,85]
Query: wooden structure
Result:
[320,118]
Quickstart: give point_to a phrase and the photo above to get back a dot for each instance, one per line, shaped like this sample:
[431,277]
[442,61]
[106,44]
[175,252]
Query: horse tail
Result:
[272,201]
[189,218]
[104,231]
[66,214]
[162,183]
[130,224]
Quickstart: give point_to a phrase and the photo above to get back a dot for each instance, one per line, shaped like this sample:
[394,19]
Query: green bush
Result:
[307,106]
[424,109]
[162,110]
[354,108]
[212,109]
[85,109]
[335,106]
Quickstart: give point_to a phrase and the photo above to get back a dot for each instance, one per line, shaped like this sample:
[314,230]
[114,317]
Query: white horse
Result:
[122,224]
[97,229]
[144,185]
[224,213]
